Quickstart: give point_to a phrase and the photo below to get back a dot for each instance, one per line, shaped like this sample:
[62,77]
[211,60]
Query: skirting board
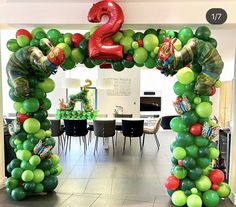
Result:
[232,197]
[2,182]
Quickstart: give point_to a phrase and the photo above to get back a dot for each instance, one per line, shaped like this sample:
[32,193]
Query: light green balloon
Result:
[150,42]
[185,75]
[17,106]
[204,109]
[128,33]
[31,125]
[127,43]
[38,176]
[203,183]
[27,175]
[179,153]
[140,55]
[41,134]
[213,153]
[194,201]
[179,198]
[35,160]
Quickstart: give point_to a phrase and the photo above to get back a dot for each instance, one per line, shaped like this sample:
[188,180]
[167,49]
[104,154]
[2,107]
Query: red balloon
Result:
[213,90]
[22,118]
[23,32]
[196,129]
[56,56]
[99,47]
[172,183]
[180,162]
[76,39]
[214,186]
[216,176]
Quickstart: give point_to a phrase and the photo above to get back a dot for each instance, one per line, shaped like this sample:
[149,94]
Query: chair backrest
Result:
[9,120]
[56,127]
[104,128]
[76,128]
[123,115]
[132,128]
[165,123]
[157,126]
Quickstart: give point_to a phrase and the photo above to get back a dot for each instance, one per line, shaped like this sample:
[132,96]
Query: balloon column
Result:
[191,56]
[67,111]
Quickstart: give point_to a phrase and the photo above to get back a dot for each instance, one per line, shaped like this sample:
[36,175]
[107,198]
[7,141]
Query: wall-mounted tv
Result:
[150,103]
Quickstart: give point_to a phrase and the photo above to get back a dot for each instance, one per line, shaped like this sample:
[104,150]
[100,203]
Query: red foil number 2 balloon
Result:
[100,45]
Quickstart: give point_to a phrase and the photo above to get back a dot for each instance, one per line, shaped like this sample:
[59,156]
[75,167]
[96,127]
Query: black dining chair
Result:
[104,128]
[132,128]
[76,128]
[58,131]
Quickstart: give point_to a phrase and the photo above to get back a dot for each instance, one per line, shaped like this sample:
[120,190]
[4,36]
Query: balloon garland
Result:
[67,111]
[191,56]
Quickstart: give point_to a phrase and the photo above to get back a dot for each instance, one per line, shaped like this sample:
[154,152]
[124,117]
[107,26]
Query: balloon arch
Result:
[191,56]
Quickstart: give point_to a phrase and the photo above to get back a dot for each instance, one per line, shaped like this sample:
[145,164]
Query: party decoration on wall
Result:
[194,59]
[67,111]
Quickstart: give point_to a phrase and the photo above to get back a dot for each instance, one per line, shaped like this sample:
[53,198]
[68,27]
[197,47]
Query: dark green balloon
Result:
[190,86]
[195,173]
[190,95]
[205,98]
[150,62]
[128,64]
[46,103]
[179,88]
[22,135]
[187,192]
[9,169]
[203,162]
[161,38]
[213,42]
[38,93]
[29,186]
[203,152]
[174,161]
[201,141]
[184,139]
[40,35]
[187,184]
[190,117]
[196,67]
[15,163]
[41,115]
[49,142]
[138,36]
[118,66]
[189,162]
[203,120]
[14,97]
[31,105]
[68,64]
[11,183]
[53,35]
[150,31]
[203,33]
[18,194]
[45,164]
[28,145]
[88,63]
[83,46]
[46,124]
[34,43]
[50,183]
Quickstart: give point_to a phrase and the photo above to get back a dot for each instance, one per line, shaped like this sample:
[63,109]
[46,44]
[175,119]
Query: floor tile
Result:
[99,185]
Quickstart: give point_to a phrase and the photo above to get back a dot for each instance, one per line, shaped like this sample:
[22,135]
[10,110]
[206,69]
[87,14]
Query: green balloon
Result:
[27,176]
[26,165]
[47,85]
[31,105]
[203,183]
[194,201]
[126,42]
[204,109]
[171,34]
[117,37]
[201,141]
[40,115]
[40,134]
[138,36]
[118,66]
[15,163]
[179,88]
[88,63]
[178,198]
[55,159]
[14,97]
[40,35]
[179,153]
[49,142]
[177,125]
[203,33]
[184,139]
[128,33]
[34,43]
[213,153]
[29,186]
[25,155]
[38,188]
[189,118]
[128,64]
[17,106]
[211,198]
[187,184]
[18,194]
[151,31]
[46,124]
[150,42]
[203,152]
[140,55]
[12,45]
[36,30]
[150,62]
[28,145]
[35,160]
[46,164]
[16,173]
[223,190]
[161,38]
[213,42]
[47,104]
[203,162]
[54,35]
[83,46]
[190,95]
[195,173]
[76,55]
[189,162]
[31,125]
[192,151]
[50,183]
[38,175]
[38,93]
[23,41]
[11,182]
[185,75]
[185,34]
[179,172]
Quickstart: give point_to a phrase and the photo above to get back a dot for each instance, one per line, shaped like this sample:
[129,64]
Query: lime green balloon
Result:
[76,55]
[27,175]
[55,159]
[179,153]
[185,34]
[218,84]
[35,160]
[47,85]
[213,153]
[31,125]
[224,190]
[128,33]
[135,45]
[204,109]
[185,75]
[178,45]
[25,155]
[150,42]
[211,198]
[194,201]
[140,55]
[59,170]
[203,183]
[197,100]
[66,48]
[17,106]
[23,41]
[31,105]
[126,42]
[178,198]
[117,37]
[38,188]
[16,173]
[12,45]
[179,88]
[40,134]
[38,175]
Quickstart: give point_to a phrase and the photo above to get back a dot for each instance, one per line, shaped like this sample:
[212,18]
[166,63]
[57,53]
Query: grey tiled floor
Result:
[109,179]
